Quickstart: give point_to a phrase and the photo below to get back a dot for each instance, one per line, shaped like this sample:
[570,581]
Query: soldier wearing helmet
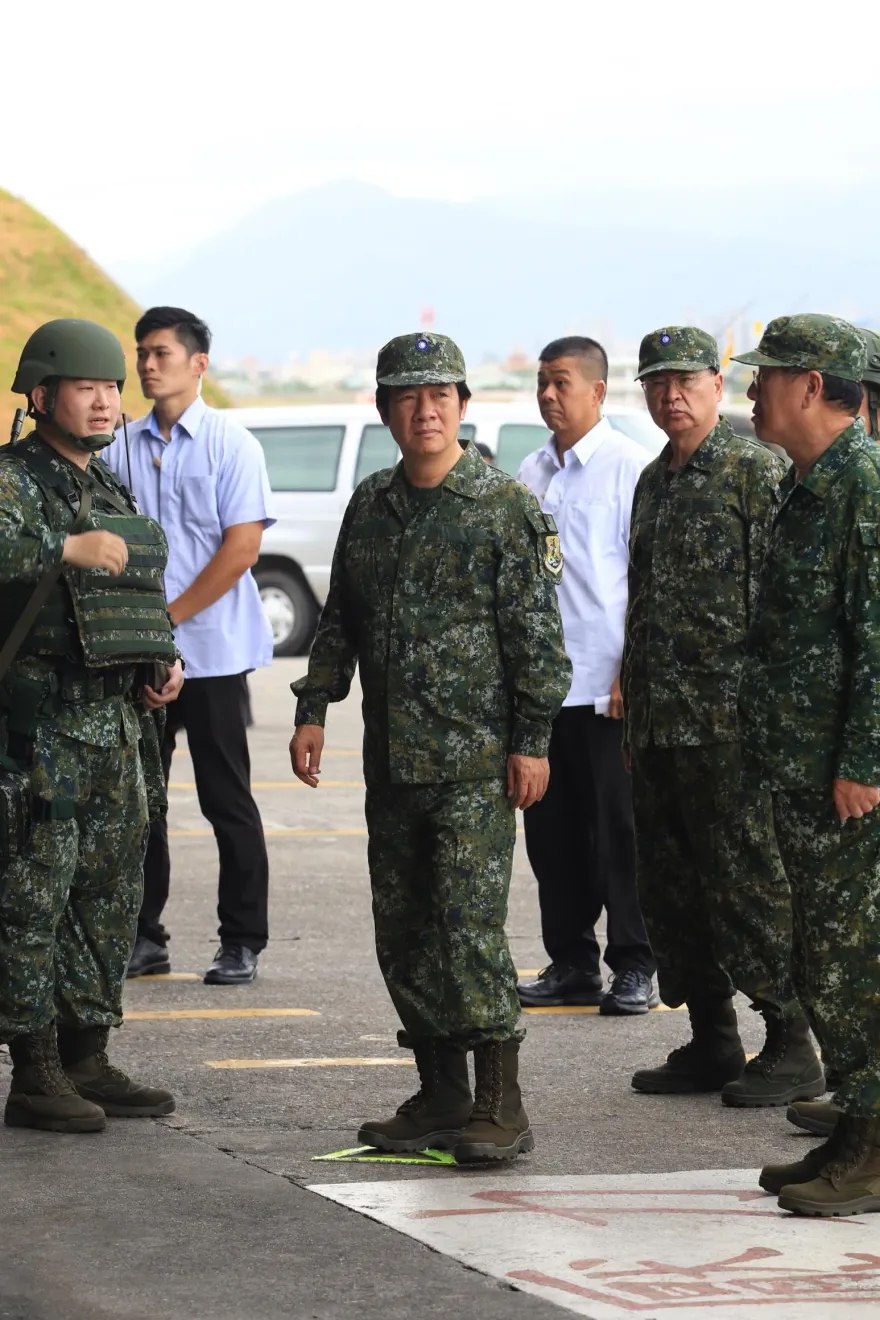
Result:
[870,409]
[443,590]
[84,632]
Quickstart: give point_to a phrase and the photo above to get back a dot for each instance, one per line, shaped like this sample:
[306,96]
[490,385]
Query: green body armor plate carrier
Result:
[90,616]
[124,620]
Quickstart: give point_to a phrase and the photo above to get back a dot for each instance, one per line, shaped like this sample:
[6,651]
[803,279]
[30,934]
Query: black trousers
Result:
[581,846]
[214,713]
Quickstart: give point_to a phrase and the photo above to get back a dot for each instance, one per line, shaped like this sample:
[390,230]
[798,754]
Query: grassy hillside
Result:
[44,275]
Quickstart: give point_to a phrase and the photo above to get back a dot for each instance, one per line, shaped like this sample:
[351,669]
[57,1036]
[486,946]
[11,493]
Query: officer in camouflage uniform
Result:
[870,409]
[715,899]
[810,723]
[443,589]
[75,734]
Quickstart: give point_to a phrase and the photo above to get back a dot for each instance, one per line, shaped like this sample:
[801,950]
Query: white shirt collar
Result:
[585,448]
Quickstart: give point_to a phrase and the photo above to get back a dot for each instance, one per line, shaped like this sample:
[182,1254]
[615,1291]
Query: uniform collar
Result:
[470,476]
[709,450]
[829,466]
[189,421]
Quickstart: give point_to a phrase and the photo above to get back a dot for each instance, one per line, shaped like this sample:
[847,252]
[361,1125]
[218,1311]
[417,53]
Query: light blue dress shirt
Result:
[209,476]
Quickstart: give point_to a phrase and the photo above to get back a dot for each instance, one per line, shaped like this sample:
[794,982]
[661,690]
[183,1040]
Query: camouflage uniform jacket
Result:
[697,542]
[31,542]
[450,610]
[810,691]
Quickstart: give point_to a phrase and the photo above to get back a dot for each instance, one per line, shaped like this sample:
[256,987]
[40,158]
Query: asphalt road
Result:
[207,1213]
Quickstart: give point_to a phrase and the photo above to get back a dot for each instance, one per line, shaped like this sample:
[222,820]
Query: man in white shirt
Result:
[579,838]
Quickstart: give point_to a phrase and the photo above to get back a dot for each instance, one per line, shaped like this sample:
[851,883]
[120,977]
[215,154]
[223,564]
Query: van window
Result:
[515,441]
[301,457]
[378,449]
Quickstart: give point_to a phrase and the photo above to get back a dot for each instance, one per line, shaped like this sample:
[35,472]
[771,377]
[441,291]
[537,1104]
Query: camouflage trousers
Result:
[440,860]
[834,872]
[714,896]
[69,904]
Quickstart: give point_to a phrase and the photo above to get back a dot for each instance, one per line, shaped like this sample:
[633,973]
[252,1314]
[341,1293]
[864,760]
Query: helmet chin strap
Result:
[88,444]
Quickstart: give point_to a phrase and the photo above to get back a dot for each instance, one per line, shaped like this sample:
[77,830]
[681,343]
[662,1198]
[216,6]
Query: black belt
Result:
[82,686]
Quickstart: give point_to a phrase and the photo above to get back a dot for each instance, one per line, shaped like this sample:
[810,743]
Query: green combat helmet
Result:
[75,350]
[809,342]
[871,377]
[677,348]
[420,359]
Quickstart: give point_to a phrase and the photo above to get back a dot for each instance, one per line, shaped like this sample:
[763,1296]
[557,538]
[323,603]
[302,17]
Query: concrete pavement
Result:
[206,1214]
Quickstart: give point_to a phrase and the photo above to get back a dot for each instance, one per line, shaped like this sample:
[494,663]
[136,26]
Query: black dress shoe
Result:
[632,991]
[148,959]
[232,965]
[558,985]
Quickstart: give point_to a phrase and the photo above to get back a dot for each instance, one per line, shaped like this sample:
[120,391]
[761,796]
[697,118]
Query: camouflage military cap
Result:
[809,342]
[420,359]
[872,344]
[677,348]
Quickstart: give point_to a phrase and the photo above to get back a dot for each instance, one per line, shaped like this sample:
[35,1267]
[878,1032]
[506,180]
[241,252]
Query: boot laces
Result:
[107,1068]
[772,1052]
[854,1144]
[46,1062]
[489,1088]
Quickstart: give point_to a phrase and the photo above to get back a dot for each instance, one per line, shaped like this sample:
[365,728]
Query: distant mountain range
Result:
[348,265]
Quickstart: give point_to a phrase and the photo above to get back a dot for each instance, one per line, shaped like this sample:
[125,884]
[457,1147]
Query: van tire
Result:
[285,597]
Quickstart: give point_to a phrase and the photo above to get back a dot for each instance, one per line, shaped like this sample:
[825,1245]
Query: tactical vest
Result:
[90,617]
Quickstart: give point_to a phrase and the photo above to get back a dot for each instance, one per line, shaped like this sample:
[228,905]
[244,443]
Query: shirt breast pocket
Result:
[198,501]
[712,536]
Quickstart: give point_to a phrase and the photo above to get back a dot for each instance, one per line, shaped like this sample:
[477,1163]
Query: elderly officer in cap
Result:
[810,721]
[443,589]
[714,897]
[870,407]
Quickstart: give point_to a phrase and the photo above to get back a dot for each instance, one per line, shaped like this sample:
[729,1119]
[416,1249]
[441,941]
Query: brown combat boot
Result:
[776,1176]
[498,1128]
[817,1116]
[433,1118]
[84,1059]
[712,1058]
[849,1182]
[786,1069]
[40,1095]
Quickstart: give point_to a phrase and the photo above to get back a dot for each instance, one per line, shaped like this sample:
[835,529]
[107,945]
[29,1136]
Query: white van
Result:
[317,455]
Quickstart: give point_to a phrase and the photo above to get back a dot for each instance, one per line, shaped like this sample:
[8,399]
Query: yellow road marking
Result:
[166,1014]
[165,976]
[594,1008]
[271,834]
[309,1063]
[284,783]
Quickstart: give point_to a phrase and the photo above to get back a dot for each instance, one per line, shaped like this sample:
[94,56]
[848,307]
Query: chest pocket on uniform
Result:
[712,535]
[455,567]
[869,536]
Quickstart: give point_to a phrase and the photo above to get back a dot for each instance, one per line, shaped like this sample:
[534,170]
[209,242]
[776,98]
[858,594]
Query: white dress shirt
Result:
[590,496]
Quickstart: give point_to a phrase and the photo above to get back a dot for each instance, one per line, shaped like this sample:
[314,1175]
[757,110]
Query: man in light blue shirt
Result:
[203,477]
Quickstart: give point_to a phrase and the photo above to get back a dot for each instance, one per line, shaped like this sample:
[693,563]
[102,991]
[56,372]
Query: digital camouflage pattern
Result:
[871,374]
[420,359]
[677,348]
[697,543]
[713,893]
[809,342]
[69,904]
[446,599]
[440,860]
[810,695]
[448,605]
[834,872]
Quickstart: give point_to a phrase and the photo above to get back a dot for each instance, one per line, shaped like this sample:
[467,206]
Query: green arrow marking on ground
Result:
[369,1155]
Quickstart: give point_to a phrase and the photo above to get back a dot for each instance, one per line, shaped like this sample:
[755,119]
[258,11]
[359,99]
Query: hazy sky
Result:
[147,127]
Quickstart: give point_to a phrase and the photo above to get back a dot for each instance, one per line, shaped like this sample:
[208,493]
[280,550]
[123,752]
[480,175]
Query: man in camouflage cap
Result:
[713,894]
[870,409]
[443,590]
[810,717]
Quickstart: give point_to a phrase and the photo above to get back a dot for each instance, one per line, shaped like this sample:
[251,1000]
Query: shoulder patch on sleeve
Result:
[549,547]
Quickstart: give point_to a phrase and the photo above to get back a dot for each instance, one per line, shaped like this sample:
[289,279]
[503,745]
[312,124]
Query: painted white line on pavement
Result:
[705,1245]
